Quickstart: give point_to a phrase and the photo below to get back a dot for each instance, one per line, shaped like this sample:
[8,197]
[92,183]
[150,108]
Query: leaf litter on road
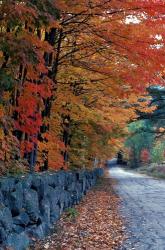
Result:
[96,226]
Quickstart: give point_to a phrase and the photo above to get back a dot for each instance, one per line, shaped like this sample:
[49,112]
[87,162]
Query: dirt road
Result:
[143,206]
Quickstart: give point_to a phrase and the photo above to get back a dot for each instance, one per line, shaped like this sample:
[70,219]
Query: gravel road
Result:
[143,207]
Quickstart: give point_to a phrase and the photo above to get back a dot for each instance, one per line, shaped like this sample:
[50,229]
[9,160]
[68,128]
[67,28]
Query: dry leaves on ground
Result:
[97,226]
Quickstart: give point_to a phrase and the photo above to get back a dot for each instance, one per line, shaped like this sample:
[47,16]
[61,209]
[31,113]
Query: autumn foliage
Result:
[145,155]
[71,74]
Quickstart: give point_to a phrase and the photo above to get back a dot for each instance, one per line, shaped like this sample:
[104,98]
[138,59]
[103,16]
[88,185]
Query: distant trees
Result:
[146,140]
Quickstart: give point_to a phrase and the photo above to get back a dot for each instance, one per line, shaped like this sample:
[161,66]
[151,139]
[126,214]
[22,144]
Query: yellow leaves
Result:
[1,57]
[133,98]
[1,54]
[120,116]
[42,146]
[147,109]
[1,134]
[6,96]
[144,106]
[137,103]
[116,143]
[161,130]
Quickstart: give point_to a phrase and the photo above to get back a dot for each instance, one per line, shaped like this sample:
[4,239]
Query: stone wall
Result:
[30,205]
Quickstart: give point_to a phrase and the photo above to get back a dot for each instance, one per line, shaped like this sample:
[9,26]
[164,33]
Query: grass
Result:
[71,213]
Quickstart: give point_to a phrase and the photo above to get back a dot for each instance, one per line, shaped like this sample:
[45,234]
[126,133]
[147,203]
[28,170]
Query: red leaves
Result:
[145,155]
[29,110]
[30,105]
[26,147]
[91,60]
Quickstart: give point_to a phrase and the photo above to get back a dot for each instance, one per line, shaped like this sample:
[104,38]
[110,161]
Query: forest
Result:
[79,80]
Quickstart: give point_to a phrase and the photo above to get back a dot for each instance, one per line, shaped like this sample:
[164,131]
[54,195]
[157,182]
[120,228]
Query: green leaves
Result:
[6,81]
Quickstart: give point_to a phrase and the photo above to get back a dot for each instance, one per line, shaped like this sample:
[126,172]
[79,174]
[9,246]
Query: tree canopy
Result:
[71,75]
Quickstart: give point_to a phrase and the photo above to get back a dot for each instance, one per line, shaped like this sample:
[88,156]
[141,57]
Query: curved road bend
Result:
[143,206]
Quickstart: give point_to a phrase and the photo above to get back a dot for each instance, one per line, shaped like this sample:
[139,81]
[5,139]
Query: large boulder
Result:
[3,235]
[40,184]
[54,214]
[31,205]
[18,229]
[27,181]
[22,219]
[41,231]
[70,178]
[71,187]
[6,221]
[17,241]
[64,200]
[38,232]
[7,185]
[52,179]
[16,199]
[80,175]
[84,185]
[1,198]
[61,178]
[45,209]
[53,195]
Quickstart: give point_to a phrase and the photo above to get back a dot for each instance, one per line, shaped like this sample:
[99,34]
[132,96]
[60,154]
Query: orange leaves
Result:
[116,142]
[140,103]
[1,134]
[22,9]
[54,148]
[161,130]
[26,147]
[54,24]
[102,62]
[77,69]
[133,44]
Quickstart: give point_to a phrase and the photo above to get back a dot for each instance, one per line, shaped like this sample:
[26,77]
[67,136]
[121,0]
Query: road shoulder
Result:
[96,224]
